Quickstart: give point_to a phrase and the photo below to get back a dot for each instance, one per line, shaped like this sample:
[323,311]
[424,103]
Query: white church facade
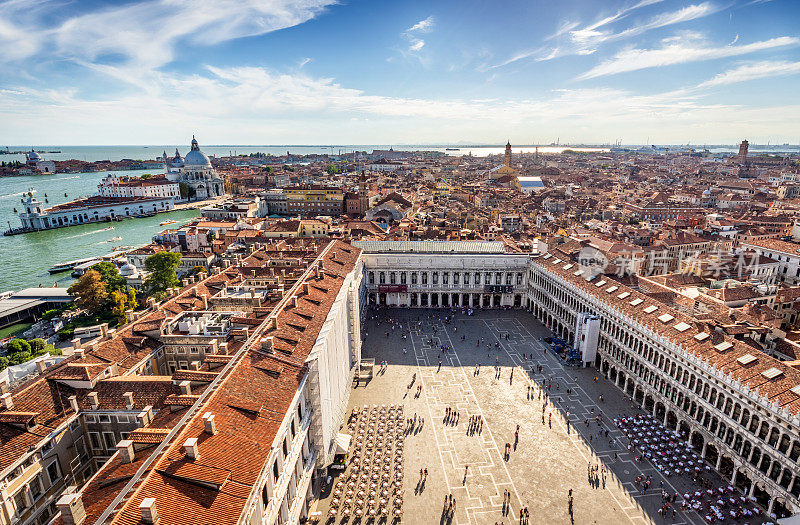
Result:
[195,171]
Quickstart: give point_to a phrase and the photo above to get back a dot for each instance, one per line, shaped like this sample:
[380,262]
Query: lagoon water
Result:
[25,258]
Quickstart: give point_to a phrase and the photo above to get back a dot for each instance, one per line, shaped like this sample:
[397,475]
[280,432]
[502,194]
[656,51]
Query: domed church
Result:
[196,171]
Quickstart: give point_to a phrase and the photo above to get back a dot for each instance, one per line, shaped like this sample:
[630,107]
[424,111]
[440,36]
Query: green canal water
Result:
[25,259]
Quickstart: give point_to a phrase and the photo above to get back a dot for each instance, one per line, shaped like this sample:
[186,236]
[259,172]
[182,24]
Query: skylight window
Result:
[623,295]
[637,302]
[612,289]
[747,359]
[682,327]
[600,283]
[650,309]
[724,345]
[772,373]
[702,336]
[665,318]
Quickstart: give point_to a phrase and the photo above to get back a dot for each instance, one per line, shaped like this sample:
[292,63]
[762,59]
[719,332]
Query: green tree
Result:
[89,291]
[198,270]
[109,273]
[16,346]
[38,345]
[3,363]
[162,274]
[184,189]
[122,302]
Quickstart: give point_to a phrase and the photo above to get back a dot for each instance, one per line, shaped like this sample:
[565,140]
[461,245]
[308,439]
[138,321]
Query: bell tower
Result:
[508,154]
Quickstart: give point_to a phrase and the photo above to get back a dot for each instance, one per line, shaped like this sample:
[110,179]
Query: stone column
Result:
[771,505]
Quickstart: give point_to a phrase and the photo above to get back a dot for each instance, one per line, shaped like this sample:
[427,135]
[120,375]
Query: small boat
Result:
[114,239]
[121,248]
[107,229]
[164,223]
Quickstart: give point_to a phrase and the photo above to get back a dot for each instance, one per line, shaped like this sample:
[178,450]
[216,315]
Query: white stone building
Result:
[196,171]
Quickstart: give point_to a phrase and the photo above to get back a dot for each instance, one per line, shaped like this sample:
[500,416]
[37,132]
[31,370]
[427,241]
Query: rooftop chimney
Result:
[209,425]
[76,343]
[186,388]
[148,509]
[80,353]
[93,400]
[190,446]
[223,348]
[41,365]
[7,401]
[126,452]
[104,330]
[73,403]
[128,400]
[266,343]
[205,301]
[294,301]
[3,387]
[71,507]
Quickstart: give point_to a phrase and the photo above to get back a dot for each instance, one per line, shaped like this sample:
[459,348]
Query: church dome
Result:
[128,270]
[34,156]
[196,158]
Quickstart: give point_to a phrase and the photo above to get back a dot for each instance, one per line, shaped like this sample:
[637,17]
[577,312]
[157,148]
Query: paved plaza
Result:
[544,463]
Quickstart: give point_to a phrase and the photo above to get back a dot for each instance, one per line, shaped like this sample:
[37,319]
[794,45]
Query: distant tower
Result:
[508,154]
[363,194]
[743,147]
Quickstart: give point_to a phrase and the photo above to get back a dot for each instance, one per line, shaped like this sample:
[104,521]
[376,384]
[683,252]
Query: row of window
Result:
[457,276]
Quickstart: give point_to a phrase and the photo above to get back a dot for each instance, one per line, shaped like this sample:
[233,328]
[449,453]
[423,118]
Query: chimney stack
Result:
[3,387]
[104,330]
[76,343]
[128,400]
[209,424]
[80,353]
[190,446]
[205,301]
[7,401]
[126,451]
[294,301]
[186,388]
[93,400]
[73,403]
[41,366]
[149,512]
[71,507]
[266,343]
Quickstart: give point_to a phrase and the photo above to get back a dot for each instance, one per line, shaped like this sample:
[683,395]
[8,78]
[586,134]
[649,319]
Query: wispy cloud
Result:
[413,33]
[303,62]
[303,108]
[587,39]
[754,71]
[145,35]
[634,59]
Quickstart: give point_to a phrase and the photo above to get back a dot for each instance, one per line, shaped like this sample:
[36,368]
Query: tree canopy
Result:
[109,273]
[162,268]
[89,291]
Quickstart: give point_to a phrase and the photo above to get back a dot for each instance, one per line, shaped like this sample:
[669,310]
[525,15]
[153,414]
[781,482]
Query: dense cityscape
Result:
[378,263]
[670,275]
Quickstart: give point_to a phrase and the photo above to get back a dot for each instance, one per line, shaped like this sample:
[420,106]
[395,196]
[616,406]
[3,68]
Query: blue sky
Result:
[364,72]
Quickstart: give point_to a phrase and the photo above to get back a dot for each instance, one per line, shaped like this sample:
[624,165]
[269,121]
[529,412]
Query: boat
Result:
[121,248]
[164,223]
[451,149]
[107,229]
[69,265]
[114,239]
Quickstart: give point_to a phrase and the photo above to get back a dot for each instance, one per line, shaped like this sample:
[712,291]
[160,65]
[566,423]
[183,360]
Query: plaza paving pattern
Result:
[545,463]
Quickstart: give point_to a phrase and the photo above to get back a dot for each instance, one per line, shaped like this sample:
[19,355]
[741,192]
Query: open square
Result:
[486,366]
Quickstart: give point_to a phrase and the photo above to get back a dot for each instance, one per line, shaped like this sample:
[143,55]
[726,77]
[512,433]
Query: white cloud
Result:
[586,40]
[633,59]
[412,34]
[423,26]
[754,71]
[252,105]
[144,36]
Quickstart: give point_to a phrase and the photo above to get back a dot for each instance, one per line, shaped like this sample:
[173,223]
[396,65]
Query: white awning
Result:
[342,443]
